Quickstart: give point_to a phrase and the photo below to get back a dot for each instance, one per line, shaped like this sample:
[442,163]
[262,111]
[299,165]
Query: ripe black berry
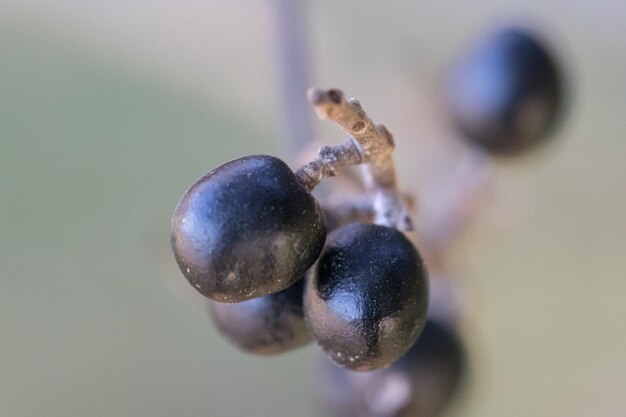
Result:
[265,325]
[437,365]
[505,93]
[420,384]
[246,229]
[367,298]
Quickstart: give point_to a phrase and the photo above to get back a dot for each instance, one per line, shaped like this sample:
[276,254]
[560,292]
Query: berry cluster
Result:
[281,271]
[504,96]
[249,234]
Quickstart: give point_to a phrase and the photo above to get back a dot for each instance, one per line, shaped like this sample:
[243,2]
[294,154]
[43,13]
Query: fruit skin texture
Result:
[367,298]
[246,229]
[266,325]
[421,383]
[505,93]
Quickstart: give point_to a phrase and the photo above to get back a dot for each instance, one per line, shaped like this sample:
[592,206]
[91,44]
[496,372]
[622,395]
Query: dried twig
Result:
[368,144]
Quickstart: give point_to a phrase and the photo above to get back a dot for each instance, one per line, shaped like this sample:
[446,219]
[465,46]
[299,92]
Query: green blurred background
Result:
[109,110]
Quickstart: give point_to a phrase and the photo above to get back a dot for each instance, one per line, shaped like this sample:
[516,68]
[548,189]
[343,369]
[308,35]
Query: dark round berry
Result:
[504,94]
[246,229]
[437,365]
[420,384]
[367,297]
[266,325]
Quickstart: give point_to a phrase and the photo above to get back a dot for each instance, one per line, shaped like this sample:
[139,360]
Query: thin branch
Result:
[368,144]
[329,159]
[293,73]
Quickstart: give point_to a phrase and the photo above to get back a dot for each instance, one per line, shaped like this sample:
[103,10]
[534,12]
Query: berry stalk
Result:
[368,144]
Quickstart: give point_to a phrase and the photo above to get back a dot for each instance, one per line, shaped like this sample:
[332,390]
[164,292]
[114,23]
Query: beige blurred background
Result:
[110,109]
